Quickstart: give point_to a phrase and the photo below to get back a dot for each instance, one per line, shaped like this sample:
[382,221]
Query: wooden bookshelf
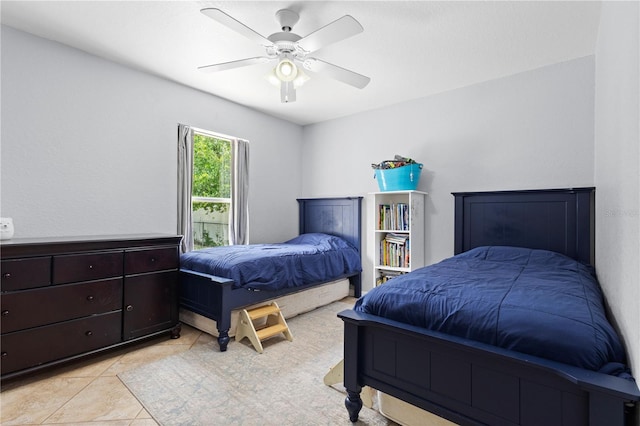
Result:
[398,233]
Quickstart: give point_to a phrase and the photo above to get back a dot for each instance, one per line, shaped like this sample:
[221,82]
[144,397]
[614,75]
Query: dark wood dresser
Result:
[65,298]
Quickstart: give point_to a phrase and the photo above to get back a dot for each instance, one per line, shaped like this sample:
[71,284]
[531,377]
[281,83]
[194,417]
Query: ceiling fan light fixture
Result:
[286,70]
[272,78]
[300,79]
[287,88]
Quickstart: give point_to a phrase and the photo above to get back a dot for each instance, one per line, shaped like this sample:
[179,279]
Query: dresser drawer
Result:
[31,272]
[85,267]
[140,261]
[36,346]
[32,308]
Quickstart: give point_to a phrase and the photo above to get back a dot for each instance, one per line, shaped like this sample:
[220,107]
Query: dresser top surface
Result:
[83,238]
[32,246]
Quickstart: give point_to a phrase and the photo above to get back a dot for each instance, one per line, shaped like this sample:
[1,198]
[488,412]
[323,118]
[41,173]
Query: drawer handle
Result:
[90,266]
[90,298]
[5,312]
[129,308]
[153,259]
[89,333]
[6,275]
[4,354]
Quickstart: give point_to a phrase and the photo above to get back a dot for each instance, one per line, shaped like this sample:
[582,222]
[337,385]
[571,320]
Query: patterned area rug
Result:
[282,386]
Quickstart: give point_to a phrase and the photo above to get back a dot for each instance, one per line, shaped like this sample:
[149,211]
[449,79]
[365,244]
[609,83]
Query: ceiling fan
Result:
[291,52]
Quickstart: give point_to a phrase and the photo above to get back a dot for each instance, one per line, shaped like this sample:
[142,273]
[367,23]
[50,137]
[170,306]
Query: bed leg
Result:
[353,402]
[223,339]
[175,331]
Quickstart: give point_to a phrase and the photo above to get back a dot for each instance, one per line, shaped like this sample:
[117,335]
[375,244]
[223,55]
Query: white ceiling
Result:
[410,49]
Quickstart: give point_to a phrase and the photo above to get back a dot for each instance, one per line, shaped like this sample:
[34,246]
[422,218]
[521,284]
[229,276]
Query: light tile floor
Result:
[89,392]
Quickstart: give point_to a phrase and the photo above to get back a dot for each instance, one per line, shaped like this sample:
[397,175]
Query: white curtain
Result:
[239,216]
[185,176]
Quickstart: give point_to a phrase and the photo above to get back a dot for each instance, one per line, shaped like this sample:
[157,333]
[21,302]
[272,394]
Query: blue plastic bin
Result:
[403,178]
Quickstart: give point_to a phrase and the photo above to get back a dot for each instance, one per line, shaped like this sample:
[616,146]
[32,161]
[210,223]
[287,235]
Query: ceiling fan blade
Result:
[237,26]
[234,64]
[340,29]
[342,74]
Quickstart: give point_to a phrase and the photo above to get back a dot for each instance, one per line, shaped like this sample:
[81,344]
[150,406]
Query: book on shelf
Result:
[396,238]
[393,217]
[394,251]
[385,276]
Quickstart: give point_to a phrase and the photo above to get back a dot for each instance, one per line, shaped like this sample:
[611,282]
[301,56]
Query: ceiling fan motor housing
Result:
[285,41]
[287,19]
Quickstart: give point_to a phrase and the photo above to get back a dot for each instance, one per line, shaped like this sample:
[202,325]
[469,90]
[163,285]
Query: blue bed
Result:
[214,282]
[535,302]
[466,338]
[306,259]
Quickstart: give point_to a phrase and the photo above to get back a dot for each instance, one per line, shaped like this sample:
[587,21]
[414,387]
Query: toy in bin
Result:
[399,174]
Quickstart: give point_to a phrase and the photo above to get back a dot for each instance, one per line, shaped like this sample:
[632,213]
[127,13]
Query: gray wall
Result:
[90,147]
[617,168]
[527,131]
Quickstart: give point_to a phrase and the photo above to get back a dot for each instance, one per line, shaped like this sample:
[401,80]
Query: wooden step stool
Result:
[275,324]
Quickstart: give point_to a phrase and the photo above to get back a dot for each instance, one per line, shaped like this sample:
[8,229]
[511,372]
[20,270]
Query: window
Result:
[211,190]
[213,186]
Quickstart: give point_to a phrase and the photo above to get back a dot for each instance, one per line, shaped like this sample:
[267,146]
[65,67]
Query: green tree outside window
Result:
[211,191]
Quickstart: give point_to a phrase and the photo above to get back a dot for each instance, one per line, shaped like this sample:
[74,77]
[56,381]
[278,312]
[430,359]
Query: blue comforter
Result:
[531,301]
[306,259]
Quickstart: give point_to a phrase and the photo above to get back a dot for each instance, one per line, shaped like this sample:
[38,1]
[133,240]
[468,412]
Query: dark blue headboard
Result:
[334,216]
[560,220]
